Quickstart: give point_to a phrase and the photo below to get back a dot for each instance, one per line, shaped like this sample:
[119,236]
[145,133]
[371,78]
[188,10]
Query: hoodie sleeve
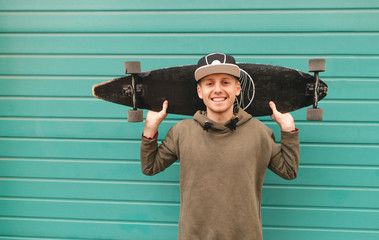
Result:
[155,159]
[285,158]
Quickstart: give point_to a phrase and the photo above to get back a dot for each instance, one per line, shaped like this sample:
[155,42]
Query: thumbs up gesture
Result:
[284,120]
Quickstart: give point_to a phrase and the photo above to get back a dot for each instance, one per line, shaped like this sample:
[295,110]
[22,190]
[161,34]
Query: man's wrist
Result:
[290,130]
[150,130]
[150,138]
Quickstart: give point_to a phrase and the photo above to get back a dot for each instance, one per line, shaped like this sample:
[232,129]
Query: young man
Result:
[223,156]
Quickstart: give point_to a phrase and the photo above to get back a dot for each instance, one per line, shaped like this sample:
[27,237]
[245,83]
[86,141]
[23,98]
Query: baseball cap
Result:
[216,63]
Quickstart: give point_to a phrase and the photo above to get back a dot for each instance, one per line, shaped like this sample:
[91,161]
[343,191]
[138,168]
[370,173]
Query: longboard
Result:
[290,89]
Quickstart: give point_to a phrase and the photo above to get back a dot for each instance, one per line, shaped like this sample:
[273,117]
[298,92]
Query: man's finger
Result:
[273,106]
[165,106]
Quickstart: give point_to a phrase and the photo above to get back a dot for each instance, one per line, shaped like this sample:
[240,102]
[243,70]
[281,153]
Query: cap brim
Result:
[226,68]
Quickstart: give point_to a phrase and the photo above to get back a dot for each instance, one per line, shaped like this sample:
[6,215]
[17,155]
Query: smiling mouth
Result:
[218,99]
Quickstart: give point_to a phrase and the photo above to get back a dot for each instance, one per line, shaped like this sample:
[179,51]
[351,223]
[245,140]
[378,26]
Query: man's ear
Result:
[199,92]
[238,88]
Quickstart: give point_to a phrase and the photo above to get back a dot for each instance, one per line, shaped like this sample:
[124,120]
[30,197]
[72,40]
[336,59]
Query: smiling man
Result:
[223,154]
[218,92]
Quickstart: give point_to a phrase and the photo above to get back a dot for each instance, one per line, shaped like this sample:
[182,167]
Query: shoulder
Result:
[183,126]
[256,127]
[257,123]
[185,123]
[248,120]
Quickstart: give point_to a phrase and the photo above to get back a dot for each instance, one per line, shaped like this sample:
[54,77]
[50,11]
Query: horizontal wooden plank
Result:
[27,238]
[316,234]
[42,86]
[124,211]
[68,65]
[88,229]
[169,192]
[343,154]
[75,5]
[80,128]
[319,154]
[82,229]
[50,86]
[327,132]
[191,21]
[143,44]
[96,190]
[76,169]
[322,132]
[122,150]
[344,111]
[67,107]
[330,176]
[353,89]
[282,233]
[319,197]
[97,210]
[320,218]
[131,171]
[351,111]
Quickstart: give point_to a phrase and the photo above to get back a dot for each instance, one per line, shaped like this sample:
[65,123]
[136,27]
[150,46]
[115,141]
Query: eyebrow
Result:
[224,78]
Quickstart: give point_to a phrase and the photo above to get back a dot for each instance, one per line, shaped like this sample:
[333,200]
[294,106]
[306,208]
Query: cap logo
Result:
[215,61]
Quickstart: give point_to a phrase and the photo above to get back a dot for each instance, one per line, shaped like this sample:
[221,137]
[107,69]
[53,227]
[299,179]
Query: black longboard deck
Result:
[261,83]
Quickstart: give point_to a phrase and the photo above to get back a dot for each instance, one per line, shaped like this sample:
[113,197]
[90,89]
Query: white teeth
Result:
[218,99]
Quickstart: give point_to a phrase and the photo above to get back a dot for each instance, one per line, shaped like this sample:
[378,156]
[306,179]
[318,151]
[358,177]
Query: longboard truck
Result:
[316,66]
[133,67]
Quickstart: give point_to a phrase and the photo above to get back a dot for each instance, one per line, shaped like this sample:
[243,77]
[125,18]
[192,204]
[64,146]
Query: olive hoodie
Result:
[222,168]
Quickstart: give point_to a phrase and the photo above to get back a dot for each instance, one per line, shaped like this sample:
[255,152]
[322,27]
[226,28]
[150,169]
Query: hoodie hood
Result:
[239,119]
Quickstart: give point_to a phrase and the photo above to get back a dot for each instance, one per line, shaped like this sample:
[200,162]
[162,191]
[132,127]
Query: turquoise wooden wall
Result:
[69,163]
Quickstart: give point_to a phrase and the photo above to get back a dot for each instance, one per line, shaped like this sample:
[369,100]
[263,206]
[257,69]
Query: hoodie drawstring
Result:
[232,124]
[207,126]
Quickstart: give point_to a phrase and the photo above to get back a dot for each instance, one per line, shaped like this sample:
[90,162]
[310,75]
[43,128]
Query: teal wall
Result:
[69,163]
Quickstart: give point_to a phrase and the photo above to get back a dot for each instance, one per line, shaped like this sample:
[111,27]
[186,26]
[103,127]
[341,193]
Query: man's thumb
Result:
[273,106]
[165,106]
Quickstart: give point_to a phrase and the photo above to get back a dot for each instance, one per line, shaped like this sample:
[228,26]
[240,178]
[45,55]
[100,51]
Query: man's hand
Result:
[153,119]
[284,120]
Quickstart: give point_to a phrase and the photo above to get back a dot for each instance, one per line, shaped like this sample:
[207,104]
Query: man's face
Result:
[218,92]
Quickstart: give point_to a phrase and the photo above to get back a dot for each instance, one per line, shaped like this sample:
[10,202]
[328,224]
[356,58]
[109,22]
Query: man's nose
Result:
[218,87]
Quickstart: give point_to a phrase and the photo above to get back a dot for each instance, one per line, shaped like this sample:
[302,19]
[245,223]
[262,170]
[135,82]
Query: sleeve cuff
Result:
[290,137]
[149,138]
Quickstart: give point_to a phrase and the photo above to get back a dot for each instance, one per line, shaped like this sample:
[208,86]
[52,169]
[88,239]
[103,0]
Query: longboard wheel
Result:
[135,115]
[132,67]
[316,65]
[315,114]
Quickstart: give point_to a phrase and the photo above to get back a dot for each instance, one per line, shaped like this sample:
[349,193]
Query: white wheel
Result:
[132,67]
[315,114]
[135,115]
[316,65]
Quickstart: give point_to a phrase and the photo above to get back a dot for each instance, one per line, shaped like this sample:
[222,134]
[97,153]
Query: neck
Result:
[221,118]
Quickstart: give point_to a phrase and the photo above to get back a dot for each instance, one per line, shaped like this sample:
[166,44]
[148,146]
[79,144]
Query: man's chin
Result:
[220,110]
